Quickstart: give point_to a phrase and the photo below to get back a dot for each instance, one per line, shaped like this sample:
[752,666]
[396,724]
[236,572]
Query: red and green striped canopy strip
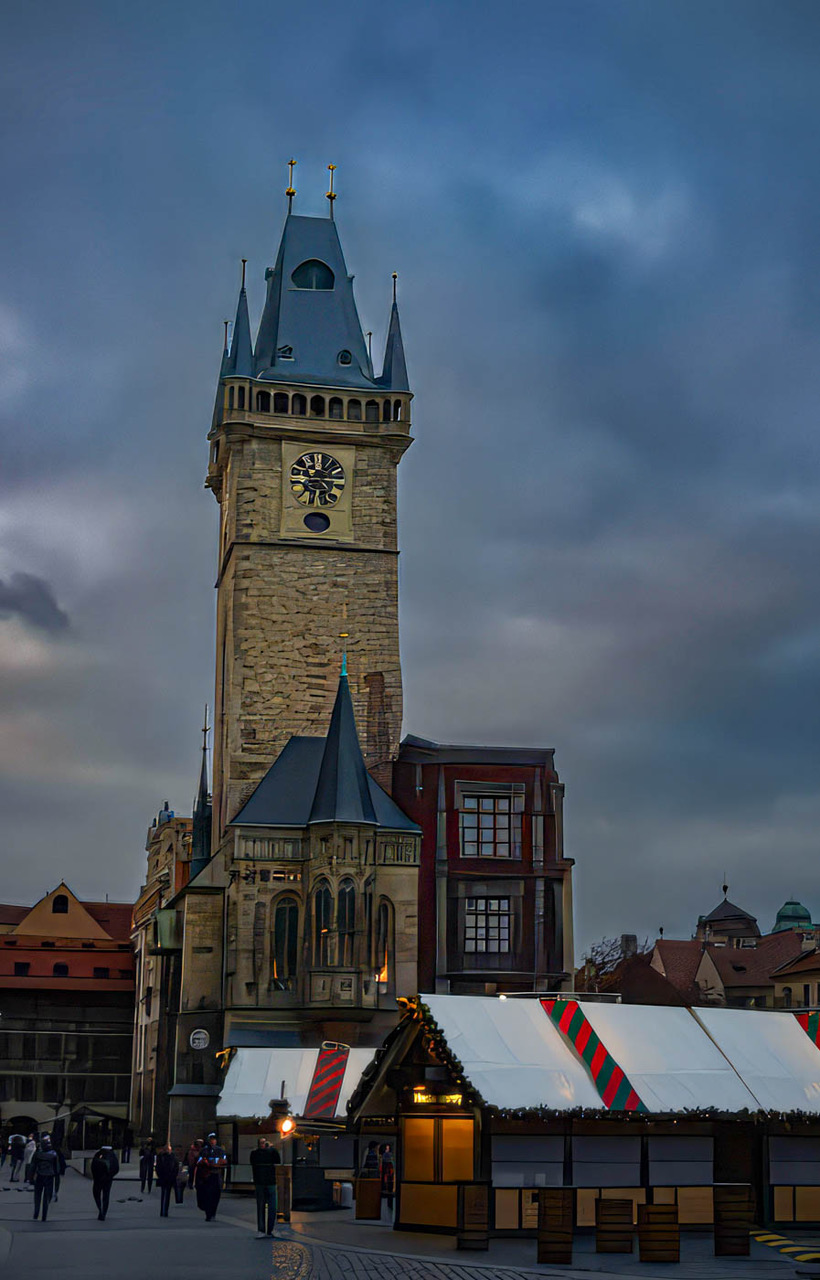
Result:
[810,1022]
[609,1079]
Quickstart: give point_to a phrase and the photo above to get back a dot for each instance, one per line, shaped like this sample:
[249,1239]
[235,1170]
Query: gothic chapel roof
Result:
[323,780]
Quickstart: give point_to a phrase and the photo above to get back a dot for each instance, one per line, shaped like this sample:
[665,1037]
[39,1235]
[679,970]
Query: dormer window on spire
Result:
[313,274]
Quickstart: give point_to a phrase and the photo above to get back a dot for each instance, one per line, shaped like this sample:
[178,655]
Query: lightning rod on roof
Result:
[291,192]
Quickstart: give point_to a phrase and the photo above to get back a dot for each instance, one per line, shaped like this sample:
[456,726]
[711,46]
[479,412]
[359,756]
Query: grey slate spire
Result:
[201,825]
[343,787]
[240,358]
[394,369]
[310,329]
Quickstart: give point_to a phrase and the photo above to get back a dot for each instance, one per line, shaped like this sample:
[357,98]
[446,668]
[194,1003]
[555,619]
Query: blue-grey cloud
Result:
[32,599]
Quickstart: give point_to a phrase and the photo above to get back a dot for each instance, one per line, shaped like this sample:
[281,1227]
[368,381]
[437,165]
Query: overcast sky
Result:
[605,220]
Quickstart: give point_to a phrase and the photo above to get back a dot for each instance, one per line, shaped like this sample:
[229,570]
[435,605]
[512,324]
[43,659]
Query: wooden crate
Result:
[613,1226]
[734,1219]
[473,1216]
[555,1223]
[368,1193]
[283,1193]
[658,1233]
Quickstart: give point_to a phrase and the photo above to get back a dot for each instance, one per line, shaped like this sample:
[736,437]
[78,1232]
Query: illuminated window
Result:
[322,925]
[487,925]
[284,949]
[384,948]
[490,826]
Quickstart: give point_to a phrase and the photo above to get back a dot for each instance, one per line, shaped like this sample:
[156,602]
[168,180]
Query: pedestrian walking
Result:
[167,1167]
[17,1152]
[388,1174]
[370,1167]
[60,1171]
[104,1168]
[264,1162]
[28,1156]
[147,1165]
[191,1156]
[182,1175]
[208,1177]
[127,1144]
[4,1149]
[45,1167]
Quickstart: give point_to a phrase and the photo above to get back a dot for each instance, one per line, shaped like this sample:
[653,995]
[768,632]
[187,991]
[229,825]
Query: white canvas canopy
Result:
[777,1061]
[677,1060]
[512,1053]
[255,1076]
[671,1064]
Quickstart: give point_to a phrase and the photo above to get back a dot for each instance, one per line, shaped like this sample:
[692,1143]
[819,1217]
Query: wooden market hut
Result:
[653,1104]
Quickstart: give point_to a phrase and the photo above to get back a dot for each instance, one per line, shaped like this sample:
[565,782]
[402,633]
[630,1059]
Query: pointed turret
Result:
[240,359]
[310,329]
[394,368]
[343,787]
[201,825]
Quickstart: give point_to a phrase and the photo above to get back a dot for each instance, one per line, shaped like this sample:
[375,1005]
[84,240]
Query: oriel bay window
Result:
[490,825]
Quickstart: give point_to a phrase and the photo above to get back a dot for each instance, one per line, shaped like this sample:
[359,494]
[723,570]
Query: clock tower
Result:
[304,447]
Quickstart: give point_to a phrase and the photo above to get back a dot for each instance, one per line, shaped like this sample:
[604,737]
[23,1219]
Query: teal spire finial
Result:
[344,664]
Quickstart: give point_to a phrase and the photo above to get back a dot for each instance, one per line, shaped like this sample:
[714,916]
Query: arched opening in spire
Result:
[397,410]
[335,408]
[354,410]
[263,402]
[371,411]
[280,402]
[386,411]
[298,405]
[317,406]
[313,274]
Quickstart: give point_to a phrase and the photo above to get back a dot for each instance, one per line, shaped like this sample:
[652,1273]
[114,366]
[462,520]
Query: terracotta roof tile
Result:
[753,966]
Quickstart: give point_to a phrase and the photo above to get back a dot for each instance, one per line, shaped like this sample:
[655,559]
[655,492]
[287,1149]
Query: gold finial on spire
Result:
[244,264]
[395,278]
[331,194]
[291,192]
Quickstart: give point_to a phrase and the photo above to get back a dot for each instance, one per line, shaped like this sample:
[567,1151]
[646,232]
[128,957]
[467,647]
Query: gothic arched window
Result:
[284,944]
[322,924]
[354,410]
[385,948]
[298,405]
[313,274]
[280,402]
[263,401]
[59,905]
[371,411]
[346,921]
[335,408]
[241,398]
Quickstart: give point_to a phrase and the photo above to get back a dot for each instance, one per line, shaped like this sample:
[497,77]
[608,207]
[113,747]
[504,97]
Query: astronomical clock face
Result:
[317,480]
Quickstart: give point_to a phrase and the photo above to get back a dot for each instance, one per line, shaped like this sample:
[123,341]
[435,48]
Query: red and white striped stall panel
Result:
[326,1085]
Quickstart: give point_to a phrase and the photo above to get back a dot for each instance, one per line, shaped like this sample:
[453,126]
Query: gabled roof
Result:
[808,962]
[323,780]
[753,966]
[304,330]
[678,961]
[726,911]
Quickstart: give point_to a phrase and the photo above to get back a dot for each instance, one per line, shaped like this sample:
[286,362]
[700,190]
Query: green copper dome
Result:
[792,915]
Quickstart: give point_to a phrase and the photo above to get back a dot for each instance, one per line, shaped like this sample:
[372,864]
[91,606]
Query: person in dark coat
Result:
[370,1167]
[208,1177]
[45,1168]
[264,1161]
[17,1151]
[104,1168]
[167,1167]
[147,1165]
[60,1172]
[388,1174]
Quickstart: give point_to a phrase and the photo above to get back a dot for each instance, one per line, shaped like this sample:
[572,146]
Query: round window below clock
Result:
[317,522]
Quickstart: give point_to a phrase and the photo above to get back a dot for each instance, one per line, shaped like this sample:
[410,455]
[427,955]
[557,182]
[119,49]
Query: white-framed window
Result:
[490,825]
[487,925]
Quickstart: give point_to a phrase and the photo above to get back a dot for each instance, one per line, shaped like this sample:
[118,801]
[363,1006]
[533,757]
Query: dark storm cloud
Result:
[26,596]
[604,218]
